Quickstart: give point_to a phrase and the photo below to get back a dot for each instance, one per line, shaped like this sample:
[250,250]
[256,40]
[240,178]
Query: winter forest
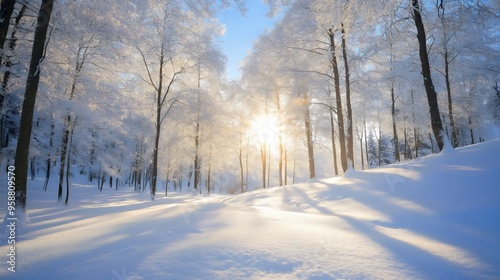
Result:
[134,94]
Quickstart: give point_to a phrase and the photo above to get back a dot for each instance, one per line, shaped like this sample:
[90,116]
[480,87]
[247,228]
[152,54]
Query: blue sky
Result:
[241,32]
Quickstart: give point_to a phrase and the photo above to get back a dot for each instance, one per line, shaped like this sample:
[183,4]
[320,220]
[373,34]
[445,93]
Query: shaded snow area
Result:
[436,217]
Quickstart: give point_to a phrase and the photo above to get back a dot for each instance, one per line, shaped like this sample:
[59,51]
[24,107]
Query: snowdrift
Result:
[435,217]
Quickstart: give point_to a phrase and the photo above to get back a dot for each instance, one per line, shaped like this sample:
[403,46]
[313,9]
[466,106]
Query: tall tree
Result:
[23,144]
[338,98]
[436,124]
[349,128]
[310,144]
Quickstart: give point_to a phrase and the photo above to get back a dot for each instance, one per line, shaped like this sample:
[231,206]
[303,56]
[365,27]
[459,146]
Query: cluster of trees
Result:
[134,92]
[374,82]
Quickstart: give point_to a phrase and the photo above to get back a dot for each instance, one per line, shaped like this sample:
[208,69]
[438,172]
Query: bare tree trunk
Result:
[64,148]
[268,165]
[196,158]
[366,142]
[280,137]
[454,136]
[240,158]
[379,140]
[310,145]
[286,166]
[394,129]
[49,159]
[158,122]
[415,137]
[334,148]
[415,131]
[246,165]
[350,134]
[360,138]
[209,182]
[69,161]
[263,154]
[23,144]
[471,131]
[436,124]
[338,97]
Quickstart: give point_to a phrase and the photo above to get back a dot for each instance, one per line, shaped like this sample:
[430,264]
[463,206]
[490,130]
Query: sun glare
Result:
[264,129]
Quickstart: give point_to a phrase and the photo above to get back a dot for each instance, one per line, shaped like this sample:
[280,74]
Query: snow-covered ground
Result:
[436,217]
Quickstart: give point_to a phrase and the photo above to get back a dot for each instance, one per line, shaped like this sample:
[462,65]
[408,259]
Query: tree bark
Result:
[454,136]
[338,97]
[69,161]
[394,129]
[436,124]
[263,154]
[310,146]
[196,157]
[240,158]
[23,144]
[280,139]
[334,148]
[64,149]
[350,134]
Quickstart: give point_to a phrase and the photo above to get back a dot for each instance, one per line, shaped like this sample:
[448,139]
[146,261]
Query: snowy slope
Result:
[432,218]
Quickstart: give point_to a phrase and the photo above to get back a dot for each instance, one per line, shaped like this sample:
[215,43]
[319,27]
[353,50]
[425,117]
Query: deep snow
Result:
[435,217]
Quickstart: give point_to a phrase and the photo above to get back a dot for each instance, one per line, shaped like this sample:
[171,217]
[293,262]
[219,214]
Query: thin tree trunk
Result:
[436,124]
[334,148]
[415,137]
[280,137]
[340,115]
[209,182]
[415,131]
[263,154]
[360,137]
[310,146]
[394,129]
[51,144]
[280,163]
[454,136]
[158,123]
[366,141]
[196,157]
[240,158]
[64,148]
[350,134]
[286,166]
[69,161]
[379,140]
[471,131]
[268,165]
[246,165]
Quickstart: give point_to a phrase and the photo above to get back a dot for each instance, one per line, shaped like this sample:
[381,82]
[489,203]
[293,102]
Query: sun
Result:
[264,128]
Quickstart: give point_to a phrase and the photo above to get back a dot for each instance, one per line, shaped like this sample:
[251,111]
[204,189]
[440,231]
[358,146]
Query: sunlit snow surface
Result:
[436,217]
